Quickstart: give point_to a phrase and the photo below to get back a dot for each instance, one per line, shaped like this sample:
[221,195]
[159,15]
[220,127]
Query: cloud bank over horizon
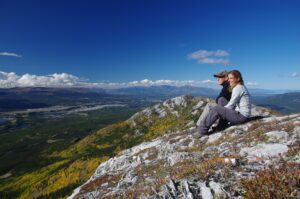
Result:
[11,79]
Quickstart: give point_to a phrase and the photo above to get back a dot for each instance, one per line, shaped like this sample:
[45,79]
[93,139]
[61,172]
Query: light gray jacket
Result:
[240,100]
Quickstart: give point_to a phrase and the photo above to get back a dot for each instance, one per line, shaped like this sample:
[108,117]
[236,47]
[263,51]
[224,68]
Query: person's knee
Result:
[222,101]
[216,108]
[219,110]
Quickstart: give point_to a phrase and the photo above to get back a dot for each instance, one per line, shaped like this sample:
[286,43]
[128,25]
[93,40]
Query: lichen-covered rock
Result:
[277,136]
[214,137]
[263,151]
[217,189]
[205,192]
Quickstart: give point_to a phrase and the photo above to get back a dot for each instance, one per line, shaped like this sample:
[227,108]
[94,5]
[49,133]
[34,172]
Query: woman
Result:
[238,109]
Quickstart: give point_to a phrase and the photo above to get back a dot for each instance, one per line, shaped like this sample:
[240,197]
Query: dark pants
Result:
[220,112]
[222,101]
[222,123]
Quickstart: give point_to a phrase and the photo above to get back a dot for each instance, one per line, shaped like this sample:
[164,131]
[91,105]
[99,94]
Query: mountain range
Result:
[39,97]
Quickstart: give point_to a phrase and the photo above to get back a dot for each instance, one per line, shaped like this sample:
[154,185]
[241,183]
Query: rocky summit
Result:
[258,159]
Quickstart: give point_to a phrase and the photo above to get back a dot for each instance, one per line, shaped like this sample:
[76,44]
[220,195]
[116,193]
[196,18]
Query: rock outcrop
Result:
[177,165]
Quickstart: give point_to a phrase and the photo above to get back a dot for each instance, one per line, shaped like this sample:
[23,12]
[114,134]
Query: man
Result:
[225,94]
[222,99]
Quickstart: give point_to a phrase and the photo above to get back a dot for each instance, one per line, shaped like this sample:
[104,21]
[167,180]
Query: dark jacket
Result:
[225,92]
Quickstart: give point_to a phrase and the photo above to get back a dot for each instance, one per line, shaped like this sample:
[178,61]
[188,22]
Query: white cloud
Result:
[210,57]
[252,83]
[9,80]
[208,81]
[295,74]
[9,54]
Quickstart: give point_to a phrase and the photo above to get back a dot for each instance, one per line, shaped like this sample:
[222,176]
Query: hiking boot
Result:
[199,135]
[196,134]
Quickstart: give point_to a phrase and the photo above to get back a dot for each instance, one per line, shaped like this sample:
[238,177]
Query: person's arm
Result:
[235,98]
[223,93]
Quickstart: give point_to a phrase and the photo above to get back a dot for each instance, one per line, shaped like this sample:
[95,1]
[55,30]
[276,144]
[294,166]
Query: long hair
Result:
[237,74]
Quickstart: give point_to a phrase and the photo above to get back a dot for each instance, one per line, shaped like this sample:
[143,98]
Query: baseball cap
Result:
[222,73]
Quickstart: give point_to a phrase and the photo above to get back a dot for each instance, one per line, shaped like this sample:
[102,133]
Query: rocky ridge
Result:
[177,165]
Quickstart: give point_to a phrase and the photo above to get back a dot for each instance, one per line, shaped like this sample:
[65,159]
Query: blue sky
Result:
[127,41]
